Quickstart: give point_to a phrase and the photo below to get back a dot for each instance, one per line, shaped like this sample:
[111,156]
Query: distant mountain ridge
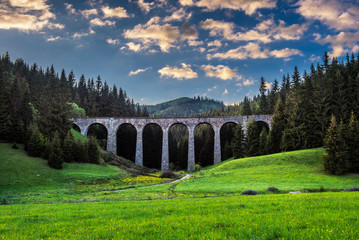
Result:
[183,107]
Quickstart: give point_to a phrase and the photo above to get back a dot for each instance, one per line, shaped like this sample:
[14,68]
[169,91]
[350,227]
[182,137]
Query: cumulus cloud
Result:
[113,41]
[215,43]
[248,82]
[145,6]
[220,71]
[248,6]
[225,92]
[27,15]
[194,43]
[138,71]
[89,12]
[101,23]
[341,43]
[267,85]
[79,35]
[254,51]
[118,12]
[178,73]
[134,47]
[178,15]
[266,31]
[163,36]
[339,15]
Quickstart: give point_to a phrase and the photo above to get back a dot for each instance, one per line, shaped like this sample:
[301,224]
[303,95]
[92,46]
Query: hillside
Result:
[182,107]
[290,171]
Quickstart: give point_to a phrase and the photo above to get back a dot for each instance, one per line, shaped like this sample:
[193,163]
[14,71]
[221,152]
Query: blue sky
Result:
[161,50]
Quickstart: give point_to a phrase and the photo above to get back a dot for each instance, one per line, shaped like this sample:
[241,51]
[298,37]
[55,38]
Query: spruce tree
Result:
[56,154]
[238,141]
[93,151]
[252,139]
[263,141]
[35,144]
[68,147]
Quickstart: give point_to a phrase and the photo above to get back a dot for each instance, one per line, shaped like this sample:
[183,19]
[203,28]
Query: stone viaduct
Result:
[112,125]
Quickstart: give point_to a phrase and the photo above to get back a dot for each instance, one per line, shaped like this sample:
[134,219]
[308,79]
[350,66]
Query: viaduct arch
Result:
[112,125]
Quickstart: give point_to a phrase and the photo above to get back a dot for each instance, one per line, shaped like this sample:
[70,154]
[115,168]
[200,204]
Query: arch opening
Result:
[126,141]
[76,127]
[204,144]
[227,133]
[256,138]
[178,146]
[99,131]
[152,145]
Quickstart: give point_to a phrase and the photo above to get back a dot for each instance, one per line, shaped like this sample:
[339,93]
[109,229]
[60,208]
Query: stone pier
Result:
[112,125]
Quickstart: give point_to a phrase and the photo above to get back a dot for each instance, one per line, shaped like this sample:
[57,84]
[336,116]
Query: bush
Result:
[35,144]
[14,146]
[197,168]
[168,174]
[272,189]
[249,192]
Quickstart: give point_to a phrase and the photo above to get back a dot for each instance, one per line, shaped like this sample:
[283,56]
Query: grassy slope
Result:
[288,171]
[19,172]
[304,216]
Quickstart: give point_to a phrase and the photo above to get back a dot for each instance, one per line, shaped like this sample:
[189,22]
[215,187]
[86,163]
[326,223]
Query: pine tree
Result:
[263,141]
[279,123]
[238,141]
[68,148]
[263,105]
[252,139]
[56,153]
[93,151]
[295,78]
[35,144]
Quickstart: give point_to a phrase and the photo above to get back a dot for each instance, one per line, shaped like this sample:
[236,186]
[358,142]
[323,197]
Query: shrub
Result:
[249,192]
[197,167]
[14,146]
[272,189]
[168,174]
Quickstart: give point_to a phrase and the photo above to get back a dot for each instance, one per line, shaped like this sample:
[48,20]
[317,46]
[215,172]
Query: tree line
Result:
[36,106]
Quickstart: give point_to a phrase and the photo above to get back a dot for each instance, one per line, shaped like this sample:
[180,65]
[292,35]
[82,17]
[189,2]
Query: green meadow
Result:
[86,201]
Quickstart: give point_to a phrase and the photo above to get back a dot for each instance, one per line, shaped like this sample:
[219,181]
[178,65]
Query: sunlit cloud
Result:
[145,6]
[178,73]
[220,71]
[225,92]
[132,73]
[341,43]
[339,15]
[179,15]
[101,23]
[89,12]
[53,39]
[134,47]
[118,12]
[27,15]
[248,6]
[113,41]
[70,8]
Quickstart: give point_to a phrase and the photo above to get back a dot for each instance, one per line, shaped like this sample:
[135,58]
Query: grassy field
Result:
[104,202]
[305,216]
[290,171]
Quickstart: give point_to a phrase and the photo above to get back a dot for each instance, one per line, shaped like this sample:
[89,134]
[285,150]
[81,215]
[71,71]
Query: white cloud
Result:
[220,71]
[70,8]
[215,43]
[248,82]
[179,73]
[89,12]
[144,6]
[225,92]
[286,52]
[253,50]
[163,36]
[99,22]
[113,41]
[27,15]
[118,12]
[339,15]
[266,31]
[134,47]
[248,6]
[194,43]
[178,15]
[52,39]
[138,71]
[267,85]
[341,43]
[212,89]
[79,35]
[314,58]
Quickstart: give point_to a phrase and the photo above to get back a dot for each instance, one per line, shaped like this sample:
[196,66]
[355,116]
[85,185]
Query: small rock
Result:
[249,192]
[354,189]
[37,175]
[297,192]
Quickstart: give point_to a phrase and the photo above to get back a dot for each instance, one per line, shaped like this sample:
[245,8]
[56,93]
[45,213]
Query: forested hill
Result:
[182,107]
